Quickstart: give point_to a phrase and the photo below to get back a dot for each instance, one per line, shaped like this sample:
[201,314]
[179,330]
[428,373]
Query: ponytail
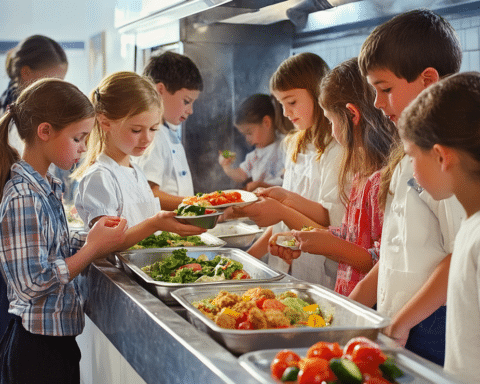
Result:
[9,154]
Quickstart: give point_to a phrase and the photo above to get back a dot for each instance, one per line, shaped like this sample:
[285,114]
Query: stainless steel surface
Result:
[133,262]
[416,369]
[350,319]
[236,234]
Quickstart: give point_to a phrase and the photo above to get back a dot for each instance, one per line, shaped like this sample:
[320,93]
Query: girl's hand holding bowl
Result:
[284,253]
[107,234]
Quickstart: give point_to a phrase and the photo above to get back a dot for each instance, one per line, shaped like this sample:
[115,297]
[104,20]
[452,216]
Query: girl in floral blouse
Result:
[366,136]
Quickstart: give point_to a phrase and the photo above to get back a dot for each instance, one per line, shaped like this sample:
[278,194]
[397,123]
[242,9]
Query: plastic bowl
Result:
[238,235]
[203,221]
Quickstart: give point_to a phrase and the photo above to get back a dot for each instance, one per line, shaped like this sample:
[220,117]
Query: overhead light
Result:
[158,13]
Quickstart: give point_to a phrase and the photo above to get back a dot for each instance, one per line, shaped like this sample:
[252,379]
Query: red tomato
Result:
[240,274]
[315,371]
[273,304]
[208,211]
[368,358]
[352,343]
[242,318]
[282,361]
[260,302]
[325,350]
[194,266]
[245,325]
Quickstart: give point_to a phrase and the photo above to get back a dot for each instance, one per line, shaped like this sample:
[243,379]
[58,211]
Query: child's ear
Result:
[44,131]
[103,122]
[429,76]
[267,121]
[160,88]
[446,157]
[355,113]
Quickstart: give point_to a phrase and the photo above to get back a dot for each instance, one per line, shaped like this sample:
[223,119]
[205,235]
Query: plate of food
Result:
[221,199]
[288,242]
[197,215]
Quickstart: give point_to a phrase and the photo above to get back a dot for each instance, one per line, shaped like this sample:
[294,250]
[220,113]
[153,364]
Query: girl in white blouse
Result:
[128,113]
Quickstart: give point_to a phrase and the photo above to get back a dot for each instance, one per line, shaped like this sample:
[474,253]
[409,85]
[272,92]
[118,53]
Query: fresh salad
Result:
[193,210]
[360,361]
[213,198]
[180,268]
[168,239]
[260,308]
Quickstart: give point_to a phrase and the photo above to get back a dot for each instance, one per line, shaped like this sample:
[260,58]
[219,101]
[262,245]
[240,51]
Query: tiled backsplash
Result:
[335,48]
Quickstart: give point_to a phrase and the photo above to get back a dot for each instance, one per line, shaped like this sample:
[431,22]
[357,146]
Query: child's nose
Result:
[379,100]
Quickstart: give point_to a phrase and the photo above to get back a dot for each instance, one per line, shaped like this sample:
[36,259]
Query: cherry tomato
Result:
[368,358]
[325,350]
[240,274]
[242,318]
[273,304]
[348,348]
[260,302]
[282,361]
[314,370]
[246,325]
[194,266]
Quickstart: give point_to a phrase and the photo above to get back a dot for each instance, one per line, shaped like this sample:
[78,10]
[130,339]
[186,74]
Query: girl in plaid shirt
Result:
[366,136]
[38,260]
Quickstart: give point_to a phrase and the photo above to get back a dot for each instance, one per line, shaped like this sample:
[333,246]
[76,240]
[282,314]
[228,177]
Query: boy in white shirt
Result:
[179,83]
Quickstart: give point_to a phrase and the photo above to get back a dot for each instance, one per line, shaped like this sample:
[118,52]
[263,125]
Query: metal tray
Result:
[350,319]
[209,240]
[417,370]
[133,261]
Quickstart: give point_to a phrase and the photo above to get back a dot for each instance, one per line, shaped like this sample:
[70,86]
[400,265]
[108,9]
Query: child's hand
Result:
[223,161]
[277,193]
[284,253]
[107,234]
[312,241]
[398,333]
[264,212]
[166,222]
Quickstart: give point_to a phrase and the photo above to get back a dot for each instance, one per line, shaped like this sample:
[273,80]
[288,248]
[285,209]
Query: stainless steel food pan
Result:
[133,261]
[350,319]
[236,234]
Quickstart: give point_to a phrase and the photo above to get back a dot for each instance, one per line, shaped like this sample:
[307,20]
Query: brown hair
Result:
[447,113]
[395,45]
[119,96]
[48,100]
[367,145]
[255,107]
[305,71]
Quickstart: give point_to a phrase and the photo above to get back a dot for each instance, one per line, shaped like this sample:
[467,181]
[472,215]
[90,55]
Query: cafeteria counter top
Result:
[156,339]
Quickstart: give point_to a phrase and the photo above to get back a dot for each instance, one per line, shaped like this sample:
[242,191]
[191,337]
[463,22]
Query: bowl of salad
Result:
[197,215]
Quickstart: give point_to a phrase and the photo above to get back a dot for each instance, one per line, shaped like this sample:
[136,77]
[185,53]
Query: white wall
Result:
[66,21]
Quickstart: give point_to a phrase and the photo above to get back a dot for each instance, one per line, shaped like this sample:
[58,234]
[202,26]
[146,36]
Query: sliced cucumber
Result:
[346,371]
[290,374]
[390,370]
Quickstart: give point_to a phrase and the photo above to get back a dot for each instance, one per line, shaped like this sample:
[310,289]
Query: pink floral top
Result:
[361,225]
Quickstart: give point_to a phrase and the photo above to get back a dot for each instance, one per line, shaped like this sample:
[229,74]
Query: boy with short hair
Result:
[400,58]
[179,83]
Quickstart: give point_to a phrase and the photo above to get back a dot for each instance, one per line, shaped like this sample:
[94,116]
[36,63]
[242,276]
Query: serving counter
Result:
[156,340]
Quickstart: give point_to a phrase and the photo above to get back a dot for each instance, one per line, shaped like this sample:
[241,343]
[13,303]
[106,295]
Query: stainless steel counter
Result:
[157,340]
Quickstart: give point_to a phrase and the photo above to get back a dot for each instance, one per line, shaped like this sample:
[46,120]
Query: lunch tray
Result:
[134,260]
[350,319]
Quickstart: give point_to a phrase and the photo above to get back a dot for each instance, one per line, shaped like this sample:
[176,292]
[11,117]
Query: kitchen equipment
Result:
[350,319]
[133,261]
[236,234]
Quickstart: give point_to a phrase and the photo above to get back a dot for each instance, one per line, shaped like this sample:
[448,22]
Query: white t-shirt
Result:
[418,232]
[462,346]
[114,190]
[317,181]
[165,163]
[267,164]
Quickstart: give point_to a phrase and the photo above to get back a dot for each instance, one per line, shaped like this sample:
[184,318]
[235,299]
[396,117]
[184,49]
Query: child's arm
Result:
[260,247]
[167,202]
[236,174]
[365,292]
[426,301]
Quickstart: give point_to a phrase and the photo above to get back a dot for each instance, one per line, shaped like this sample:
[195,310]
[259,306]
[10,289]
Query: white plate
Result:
[247,197]
[282,239]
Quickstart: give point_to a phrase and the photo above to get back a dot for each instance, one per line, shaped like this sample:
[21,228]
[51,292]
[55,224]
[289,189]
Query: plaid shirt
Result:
[34,243]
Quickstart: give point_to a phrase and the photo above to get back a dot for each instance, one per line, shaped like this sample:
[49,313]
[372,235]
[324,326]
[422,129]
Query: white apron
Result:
[181,168]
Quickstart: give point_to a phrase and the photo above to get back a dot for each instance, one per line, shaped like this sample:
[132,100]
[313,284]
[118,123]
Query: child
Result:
[418,232]
[440,133]
[165,165]
[258,120]
[128,112]
[37,257]
[311,170]
[33,58]
[367,137]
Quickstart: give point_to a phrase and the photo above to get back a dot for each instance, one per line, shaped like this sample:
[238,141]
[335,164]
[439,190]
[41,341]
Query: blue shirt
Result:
[34,243]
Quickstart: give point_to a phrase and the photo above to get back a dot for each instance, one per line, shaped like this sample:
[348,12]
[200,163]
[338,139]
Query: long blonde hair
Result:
[50,101]
[119,96]
[304,71]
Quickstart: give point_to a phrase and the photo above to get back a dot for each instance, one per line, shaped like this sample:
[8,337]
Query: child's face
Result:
[298,106]
[427,170]
[258,135]
[69,143]
[131,137]
[179,105]
[337,130]
[393,93]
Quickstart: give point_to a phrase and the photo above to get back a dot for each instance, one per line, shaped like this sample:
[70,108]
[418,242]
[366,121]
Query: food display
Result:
[169,239]
[180,268]
[213,198]
[360,361]
[260,308]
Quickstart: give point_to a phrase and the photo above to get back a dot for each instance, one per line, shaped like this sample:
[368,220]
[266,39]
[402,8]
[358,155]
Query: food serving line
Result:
[162,346]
